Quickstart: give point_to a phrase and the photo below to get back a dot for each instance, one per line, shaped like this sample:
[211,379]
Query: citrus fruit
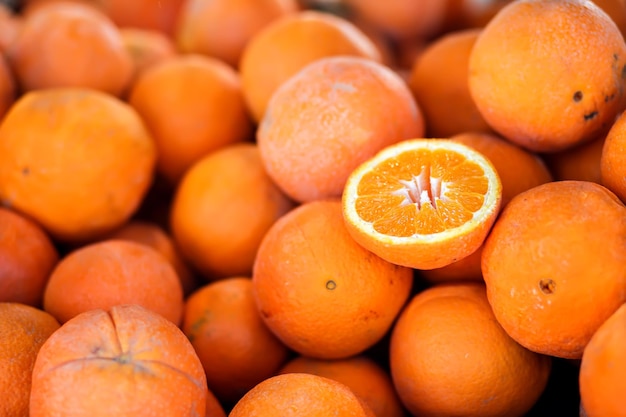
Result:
[329,118]
[422,203]
[549,74]
[553,265]
[123,361]
[319,291]
[450,357]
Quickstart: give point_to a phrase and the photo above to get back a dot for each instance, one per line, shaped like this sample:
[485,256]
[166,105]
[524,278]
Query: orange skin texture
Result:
[223,28]
[613,158]
[125,361]
[146,48]
[235,347]
[365,377]
[77,161]
[288,44]
[519,169]
[553,281]
[154,236]
[23,329]
[221,210]
[549,111]
[402,19]
[430,345]
[113,272]
[438,79]
[300,394]
[27,257]
[616,9]
[319,291]
[328,119]
[70,45]
[602,369]
[8,87]
[193,105]
[581,162]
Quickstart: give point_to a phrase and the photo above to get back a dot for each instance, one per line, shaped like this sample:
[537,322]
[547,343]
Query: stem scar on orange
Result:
[422,203]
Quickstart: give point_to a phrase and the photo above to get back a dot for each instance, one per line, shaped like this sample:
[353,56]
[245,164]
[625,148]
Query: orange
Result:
[48,52]
[613,158]
[329,118]
[123,361]
[78,161]
[438,79]
[221,210]
[8,87]
[23,329]
[156,237]
[422,203]
[365,377]
[223,28]
[300,394]
[193,105]
[109,273]
[146,48]
[603,367]
[235,347]
[580,162]
[319,291]
[554,265]
[287,44]
[27,257]
[402,19]
[519,169]
[545,110]
[450,357]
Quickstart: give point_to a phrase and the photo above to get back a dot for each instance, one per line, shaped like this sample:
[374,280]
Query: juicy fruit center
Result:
[422,189]
[421,192]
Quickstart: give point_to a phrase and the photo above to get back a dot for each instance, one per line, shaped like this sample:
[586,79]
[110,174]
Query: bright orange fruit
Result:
[422,203]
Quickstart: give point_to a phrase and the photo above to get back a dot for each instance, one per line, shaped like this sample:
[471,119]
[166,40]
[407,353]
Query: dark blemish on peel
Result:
[615,57]
[624,71]
[331,285]
[609,98]
[578,95]
[547,286]
[590,116]
[25,171]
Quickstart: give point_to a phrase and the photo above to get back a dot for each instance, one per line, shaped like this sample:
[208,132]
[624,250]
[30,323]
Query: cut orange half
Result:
[422,203]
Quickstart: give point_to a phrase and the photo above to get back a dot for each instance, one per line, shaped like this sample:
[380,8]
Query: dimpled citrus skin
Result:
[327,119]
[554,280]
[320,292]
[549,74]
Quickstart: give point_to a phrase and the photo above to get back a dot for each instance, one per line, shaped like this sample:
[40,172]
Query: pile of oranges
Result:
[310,208]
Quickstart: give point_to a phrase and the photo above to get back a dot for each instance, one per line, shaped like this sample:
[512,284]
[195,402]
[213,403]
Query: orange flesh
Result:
[421,191]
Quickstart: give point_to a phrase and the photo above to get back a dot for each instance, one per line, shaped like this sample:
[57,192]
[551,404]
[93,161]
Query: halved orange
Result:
[422,203]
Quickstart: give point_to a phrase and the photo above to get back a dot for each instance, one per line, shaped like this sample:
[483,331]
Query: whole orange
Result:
[76,160]
[23,330]
[113,272]
[554,265]
[124,361]
[319,291]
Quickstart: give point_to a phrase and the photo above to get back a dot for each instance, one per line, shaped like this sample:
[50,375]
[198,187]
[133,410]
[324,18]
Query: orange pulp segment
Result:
[422,203]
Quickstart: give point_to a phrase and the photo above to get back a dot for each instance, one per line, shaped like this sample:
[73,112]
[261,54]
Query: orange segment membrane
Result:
[422,191]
